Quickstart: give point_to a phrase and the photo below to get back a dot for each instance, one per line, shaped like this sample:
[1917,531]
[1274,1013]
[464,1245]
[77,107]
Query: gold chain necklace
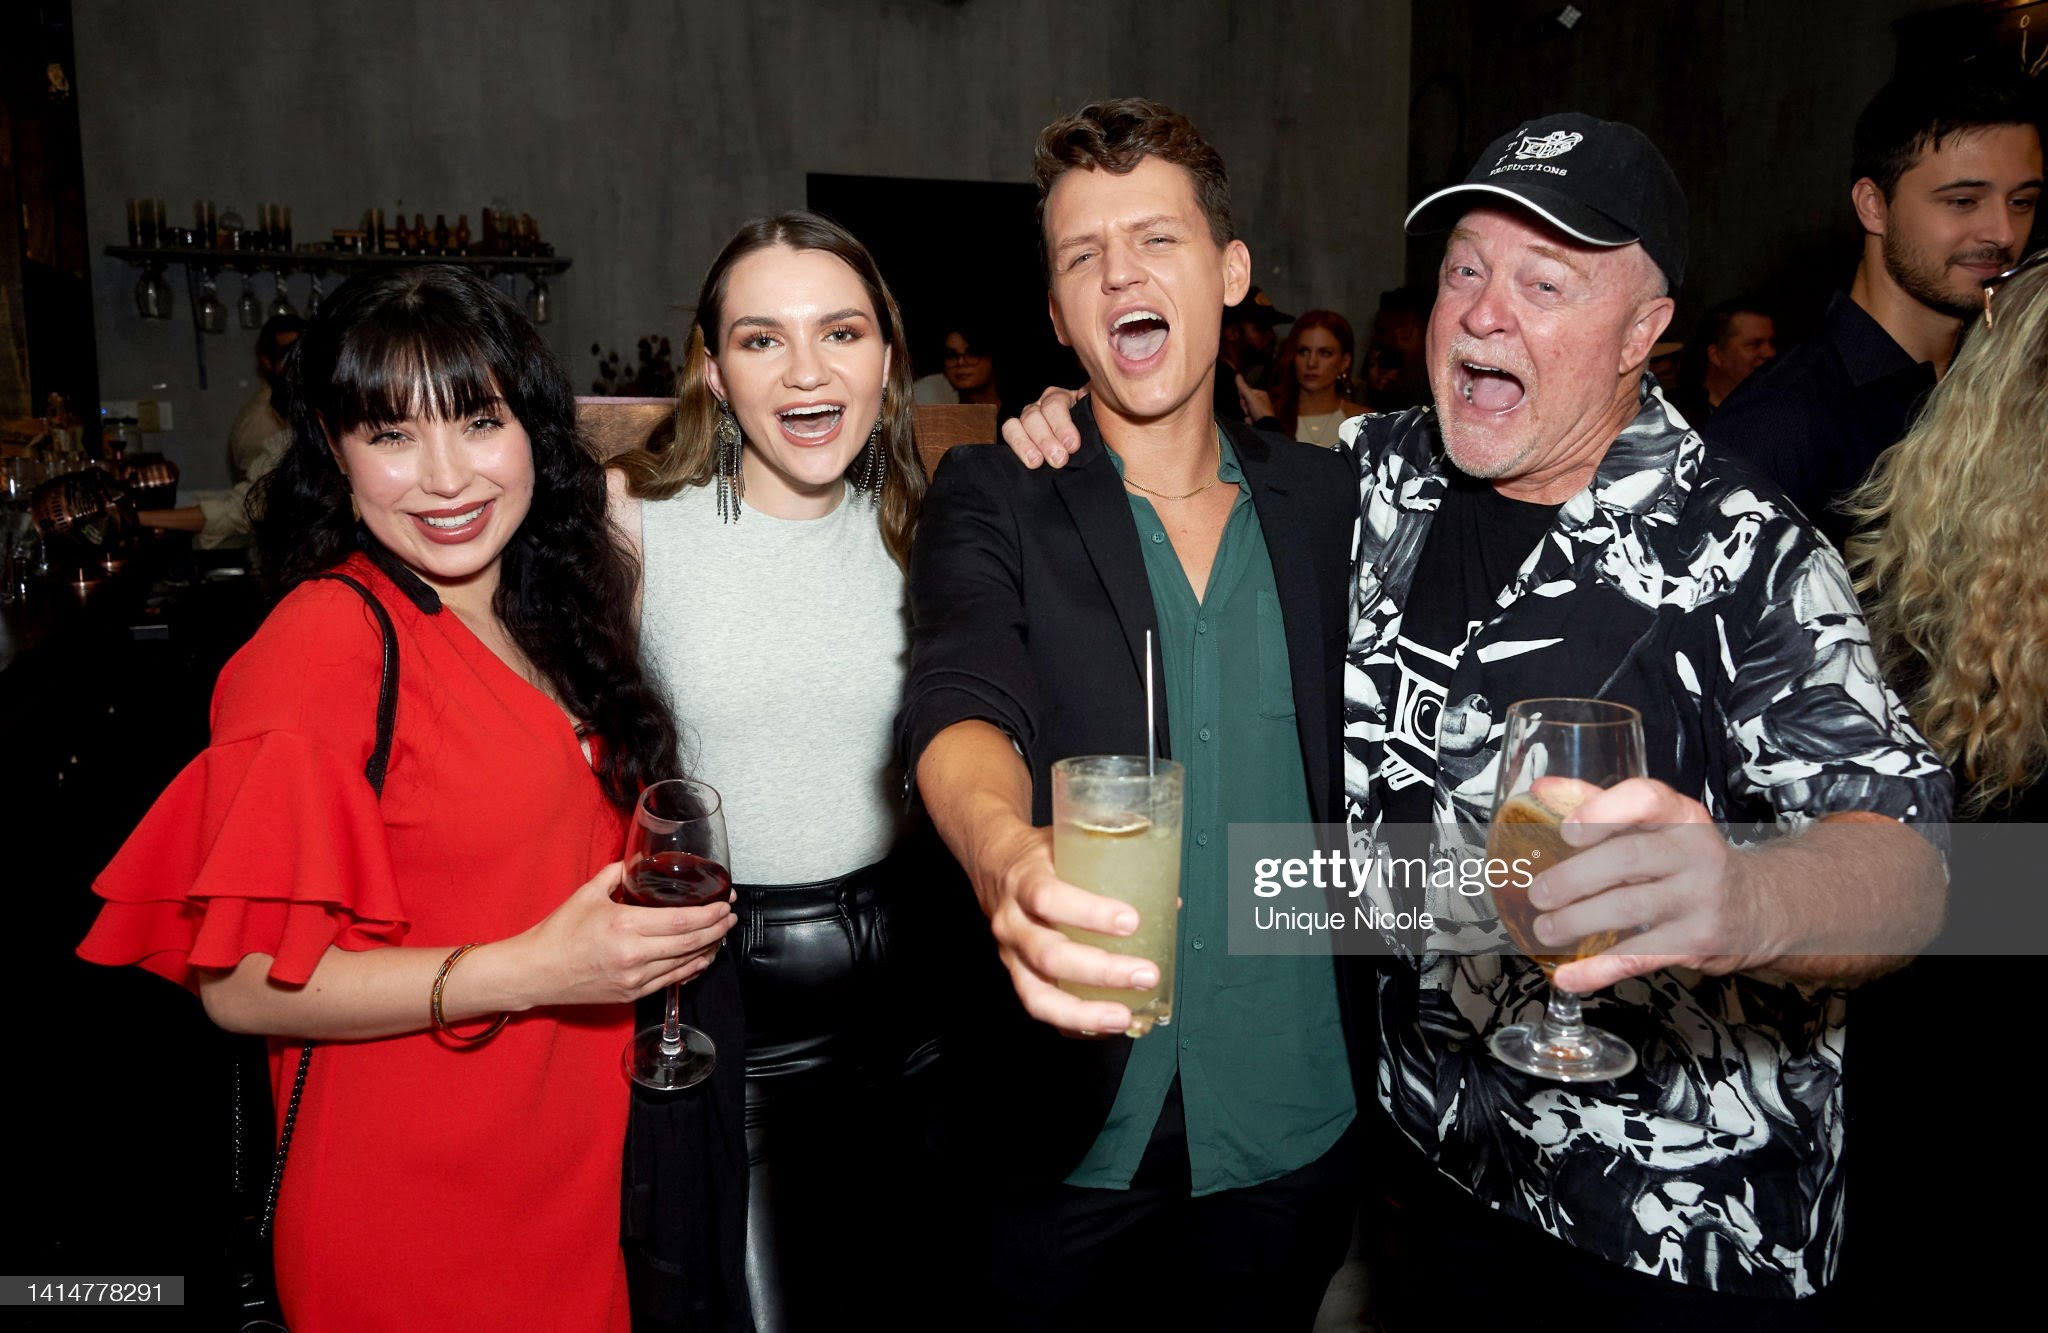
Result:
[1163,496]
[1190,494]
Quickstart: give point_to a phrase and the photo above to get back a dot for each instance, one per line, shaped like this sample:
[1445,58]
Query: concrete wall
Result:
[639,135]
[1752,101]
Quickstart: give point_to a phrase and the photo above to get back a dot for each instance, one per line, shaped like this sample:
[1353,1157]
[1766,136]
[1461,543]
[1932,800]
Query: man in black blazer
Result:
[1199,1175]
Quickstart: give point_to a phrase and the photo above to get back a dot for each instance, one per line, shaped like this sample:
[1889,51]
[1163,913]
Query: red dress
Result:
[428,1186]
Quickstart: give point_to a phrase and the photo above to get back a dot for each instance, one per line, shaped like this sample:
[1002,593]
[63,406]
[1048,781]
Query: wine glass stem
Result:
[672,1021]
[1562,1025]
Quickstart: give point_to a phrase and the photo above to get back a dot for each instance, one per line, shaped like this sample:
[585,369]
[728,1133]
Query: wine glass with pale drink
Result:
[1556,753]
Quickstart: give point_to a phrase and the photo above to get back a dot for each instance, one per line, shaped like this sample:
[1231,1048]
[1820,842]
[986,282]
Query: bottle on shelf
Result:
[462,234]
[440,233]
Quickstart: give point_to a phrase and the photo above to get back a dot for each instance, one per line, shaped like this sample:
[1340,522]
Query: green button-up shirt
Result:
[1257,1042]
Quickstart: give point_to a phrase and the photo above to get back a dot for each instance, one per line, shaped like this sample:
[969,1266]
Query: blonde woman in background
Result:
[1949,561]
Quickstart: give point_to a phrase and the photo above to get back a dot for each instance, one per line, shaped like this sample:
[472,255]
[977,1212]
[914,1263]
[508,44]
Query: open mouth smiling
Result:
[1488,388]
[454,525]
[811,422]
[1138,335]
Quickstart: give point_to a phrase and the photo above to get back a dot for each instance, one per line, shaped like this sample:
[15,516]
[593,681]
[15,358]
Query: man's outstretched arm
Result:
[978,793]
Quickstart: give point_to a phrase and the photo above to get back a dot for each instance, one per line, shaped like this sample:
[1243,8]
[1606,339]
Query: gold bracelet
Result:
[441,1023]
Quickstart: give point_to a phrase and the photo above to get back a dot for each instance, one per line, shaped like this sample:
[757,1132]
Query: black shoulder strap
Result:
[387,688]
[379,763]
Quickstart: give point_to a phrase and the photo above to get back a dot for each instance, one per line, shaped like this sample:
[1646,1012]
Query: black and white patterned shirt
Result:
[1680,583]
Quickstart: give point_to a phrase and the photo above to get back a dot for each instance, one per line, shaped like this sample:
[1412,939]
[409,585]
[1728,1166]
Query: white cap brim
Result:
[1520,200]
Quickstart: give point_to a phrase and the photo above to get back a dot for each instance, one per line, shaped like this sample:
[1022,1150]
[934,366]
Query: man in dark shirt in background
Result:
[1735,340]
[1395,374]
[1244,360]
[1947,172]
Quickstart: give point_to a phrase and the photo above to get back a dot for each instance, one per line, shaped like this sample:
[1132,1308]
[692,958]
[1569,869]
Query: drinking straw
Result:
[1151,727]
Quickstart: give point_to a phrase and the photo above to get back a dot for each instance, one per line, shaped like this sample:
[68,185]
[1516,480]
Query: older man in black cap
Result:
[1549,529]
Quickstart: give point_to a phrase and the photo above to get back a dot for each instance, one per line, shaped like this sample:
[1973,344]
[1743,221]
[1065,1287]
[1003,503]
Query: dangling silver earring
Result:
[731,484]
[873,462]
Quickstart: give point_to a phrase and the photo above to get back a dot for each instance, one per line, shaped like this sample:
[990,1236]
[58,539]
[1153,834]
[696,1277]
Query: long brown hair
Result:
[1949,558]
[687,454]
[1287,389]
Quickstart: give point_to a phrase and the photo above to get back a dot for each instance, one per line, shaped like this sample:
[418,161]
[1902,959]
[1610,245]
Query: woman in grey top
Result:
[773,527]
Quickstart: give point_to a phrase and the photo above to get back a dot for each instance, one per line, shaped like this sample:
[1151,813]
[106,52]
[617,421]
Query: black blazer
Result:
[1030,606]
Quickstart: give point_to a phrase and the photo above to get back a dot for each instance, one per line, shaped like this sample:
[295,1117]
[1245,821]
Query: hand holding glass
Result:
[675,857]
[1554,751]
[1116,831]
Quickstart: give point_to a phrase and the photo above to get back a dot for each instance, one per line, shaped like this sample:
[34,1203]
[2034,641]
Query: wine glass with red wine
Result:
[675,857]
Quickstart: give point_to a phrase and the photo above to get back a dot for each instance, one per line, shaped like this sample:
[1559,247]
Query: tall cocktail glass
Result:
[1116,822]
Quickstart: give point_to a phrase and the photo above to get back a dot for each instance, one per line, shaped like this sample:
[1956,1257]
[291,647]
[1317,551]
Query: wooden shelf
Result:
[328,261]
[196,261]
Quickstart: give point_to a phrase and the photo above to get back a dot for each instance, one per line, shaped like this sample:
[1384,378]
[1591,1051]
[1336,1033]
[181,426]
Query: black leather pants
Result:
[830,1070]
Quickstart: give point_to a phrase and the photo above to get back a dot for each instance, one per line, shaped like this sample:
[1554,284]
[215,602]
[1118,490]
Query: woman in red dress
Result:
[435,1179]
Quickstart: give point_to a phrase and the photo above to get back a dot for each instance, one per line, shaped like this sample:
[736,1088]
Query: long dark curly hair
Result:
[441,343]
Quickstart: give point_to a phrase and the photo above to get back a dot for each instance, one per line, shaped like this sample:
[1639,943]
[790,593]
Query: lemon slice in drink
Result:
[1122,824]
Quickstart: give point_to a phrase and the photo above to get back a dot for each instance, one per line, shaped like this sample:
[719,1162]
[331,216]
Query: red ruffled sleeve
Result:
[270,841]
[269,845]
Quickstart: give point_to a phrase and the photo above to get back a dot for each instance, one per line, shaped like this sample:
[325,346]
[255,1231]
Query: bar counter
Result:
[123,1082]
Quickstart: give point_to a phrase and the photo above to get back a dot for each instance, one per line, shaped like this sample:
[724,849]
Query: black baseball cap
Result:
[1597,181]
[1256,308]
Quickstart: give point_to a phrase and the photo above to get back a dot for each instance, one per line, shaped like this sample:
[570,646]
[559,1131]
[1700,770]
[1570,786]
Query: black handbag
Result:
[250,1255]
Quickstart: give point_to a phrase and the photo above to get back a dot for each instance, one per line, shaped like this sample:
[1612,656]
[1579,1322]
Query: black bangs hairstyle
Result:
[440,343]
